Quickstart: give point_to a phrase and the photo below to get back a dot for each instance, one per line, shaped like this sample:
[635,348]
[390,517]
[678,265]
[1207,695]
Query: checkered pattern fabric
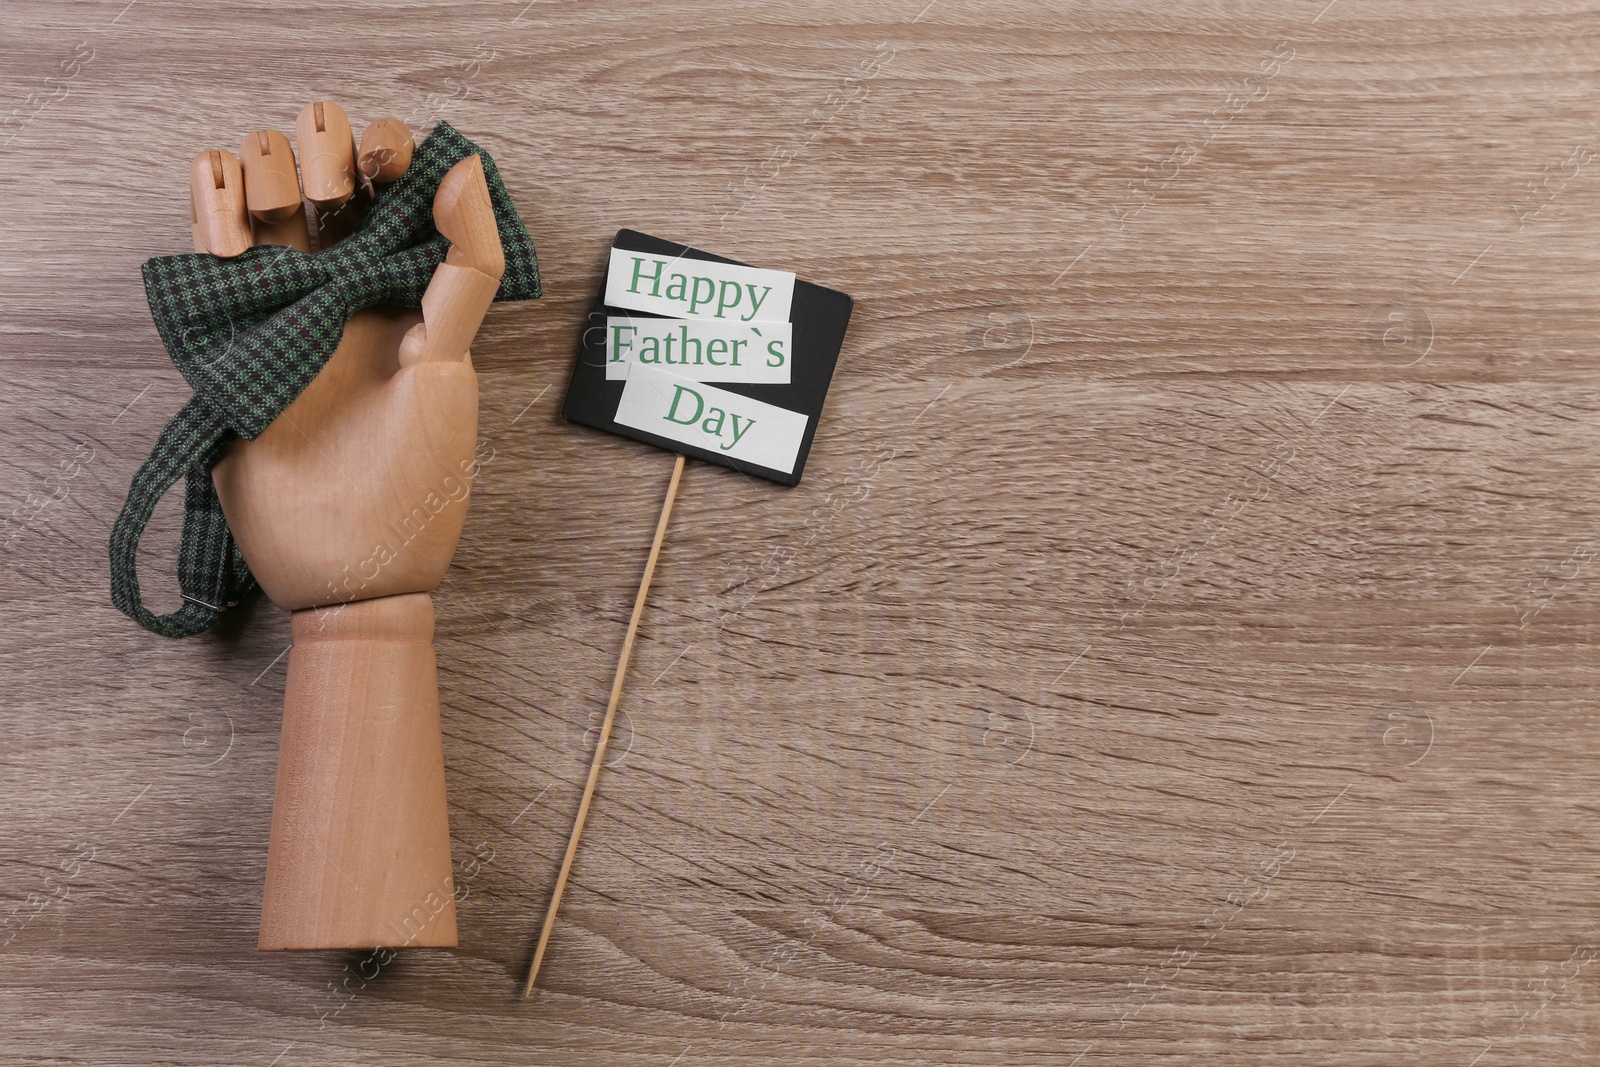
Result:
[248,334]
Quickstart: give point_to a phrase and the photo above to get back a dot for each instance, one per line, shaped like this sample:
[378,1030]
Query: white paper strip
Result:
[693,413]
[701,350]
[697,288]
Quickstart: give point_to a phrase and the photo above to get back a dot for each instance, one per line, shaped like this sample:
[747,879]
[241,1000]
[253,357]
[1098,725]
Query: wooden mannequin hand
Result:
[359,488]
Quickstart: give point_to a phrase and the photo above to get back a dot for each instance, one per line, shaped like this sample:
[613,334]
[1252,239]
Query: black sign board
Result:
[818,317]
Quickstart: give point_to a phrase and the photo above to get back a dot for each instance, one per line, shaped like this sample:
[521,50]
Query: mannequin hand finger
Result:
[217,204]
[327,154]
[463,285]
[272,191]
[386,150]
[463,212]
[271,185]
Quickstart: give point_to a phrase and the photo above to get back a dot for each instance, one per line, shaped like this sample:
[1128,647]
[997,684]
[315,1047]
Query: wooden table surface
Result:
[1184,642]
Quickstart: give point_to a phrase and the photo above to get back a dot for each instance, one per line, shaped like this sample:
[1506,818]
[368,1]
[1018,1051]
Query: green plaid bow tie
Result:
[248,334]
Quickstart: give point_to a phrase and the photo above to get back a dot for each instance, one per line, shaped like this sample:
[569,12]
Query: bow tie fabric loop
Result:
[249,333]
[207,574]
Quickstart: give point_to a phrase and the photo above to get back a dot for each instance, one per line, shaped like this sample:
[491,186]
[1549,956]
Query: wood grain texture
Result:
[1183,643]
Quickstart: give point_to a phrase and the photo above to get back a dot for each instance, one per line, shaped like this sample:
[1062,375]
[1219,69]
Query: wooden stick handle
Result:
[605,727]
